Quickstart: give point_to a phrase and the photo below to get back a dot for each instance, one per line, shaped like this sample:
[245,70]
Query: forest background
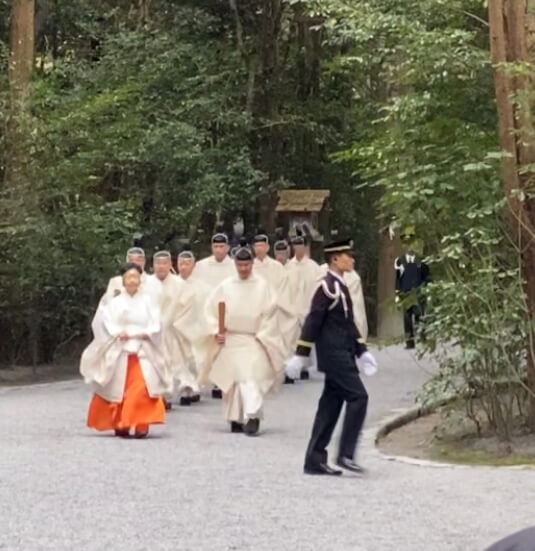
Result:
[165,116]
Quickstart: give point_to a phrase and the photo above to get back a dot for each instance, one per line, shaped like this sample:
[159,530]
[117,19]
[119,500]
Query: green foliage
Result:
[431,153]
[152,125]
[162,125]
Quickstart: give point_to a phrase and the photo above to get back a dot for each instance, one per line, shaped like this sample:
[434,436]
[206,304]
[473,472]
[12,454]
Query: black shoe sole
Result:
[314,472]
[236,428]
[251,427]
[349,469]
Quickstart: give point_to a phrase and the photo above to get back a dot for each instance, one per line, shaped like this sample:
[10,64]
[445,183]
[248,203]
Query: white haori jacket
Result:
[275,274]
[304,277]
[212,272]
[104,362]
[174,302]
[354,285]
[253,350]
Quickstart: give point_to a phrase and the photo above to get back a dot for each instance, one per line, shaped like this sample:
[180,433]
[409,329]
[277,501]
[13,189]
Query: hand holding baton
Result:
[220,337]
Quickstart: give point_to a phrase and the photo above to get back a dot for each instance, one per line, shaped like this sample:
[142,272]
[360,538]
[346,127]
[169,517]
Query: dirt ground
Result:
[41,374]
[419,440]
[412,440]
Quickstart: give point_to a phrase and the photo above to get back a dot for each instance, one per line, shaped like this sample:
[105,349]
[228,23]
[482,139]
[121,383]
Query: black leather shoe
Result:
[251,427]
[305,375]
[236,427]
[185,401]
[350,465]
[410,345]
[322,469]
[288,380]
[217,393]
[195,398]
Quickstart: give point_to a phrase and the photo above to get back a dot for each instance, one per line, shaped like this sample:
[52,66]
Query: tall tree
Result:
[21,56]
[512,49]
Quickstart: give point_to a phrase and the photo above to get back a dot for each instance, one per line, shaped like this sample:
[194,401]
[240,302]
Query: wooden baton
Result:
[221,316]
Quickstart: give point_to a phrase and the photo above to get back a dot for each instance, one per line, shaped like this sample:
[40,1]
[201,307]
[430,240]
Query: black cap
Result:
[161,254]
[342,246]
[281,245]
[261,236]
[243,251]
[186,252]
[299,238]
[220,238]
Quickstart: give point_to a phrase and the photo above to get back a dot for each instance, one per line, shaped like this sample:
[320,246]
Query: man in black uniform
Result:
[411,275]
[331,327]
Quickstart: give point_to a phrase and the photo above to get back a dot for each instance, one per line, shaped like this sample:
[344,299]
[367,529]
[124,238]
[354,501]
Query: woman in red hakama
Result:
[124,363]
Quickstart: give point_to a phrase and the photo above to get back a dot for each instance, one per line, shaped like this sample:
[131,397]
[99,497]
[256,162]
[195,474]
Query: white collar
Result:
[265,261]
[220,262]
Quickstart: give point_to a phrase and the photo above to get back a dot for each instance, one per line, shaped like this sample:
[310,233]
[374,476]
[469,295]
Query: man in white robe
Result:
[304,274]
[214,270]
[281,252]
[197,329]
[248,353]
[275,274]
[135,255]
[217,267]
[354,284]
[174,301]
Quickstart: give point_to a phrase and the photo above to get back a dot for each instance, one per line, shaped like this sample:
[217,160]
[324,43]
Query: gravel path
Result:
[195,486]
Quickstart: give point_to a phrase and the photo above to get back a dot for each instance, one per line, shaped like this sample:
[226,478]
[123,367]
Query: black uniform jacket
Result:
[331,327]
[411,273]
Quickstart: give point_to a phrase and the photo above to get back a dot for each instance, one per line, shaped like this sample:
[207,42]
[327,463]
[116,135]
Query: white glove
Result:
[368,364]
[294,366]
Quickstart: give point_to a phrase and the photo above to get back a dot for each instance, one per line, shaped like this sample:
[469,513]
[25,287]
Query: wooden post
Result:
[389,318]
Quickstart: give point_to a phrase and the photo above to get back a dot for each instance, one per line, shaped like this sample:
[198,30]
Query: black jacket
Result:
[411,273]
[331,327]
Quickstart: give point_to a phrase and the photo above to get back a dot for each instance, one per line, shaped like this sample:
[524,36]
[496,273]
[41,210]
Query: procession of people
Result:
[238,323]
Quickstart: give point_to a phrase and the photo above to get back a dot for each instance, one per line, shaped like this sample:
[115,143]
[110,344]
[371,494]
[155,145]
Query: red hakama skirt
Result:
[137,409]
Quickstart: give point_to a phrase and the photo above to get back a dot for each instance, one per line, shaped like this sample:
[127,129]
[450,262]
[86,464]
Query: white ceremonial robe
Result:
[275,274]
[174,301]
[212,272]
[354,285]
[198,337]
[115,286]
[304,278]
[104,362]
[250,362]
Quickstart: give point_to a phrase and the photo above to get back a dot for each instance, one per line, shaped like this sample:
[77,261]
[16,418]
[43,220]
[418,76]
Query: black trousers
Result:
[411,318]
[343,386]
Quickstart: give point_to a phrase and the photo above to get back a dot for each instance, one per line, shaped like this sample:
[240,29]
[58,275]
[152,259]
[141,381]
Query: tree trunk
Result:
[512,24]
[20,66]
[389,319]
[267,112]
